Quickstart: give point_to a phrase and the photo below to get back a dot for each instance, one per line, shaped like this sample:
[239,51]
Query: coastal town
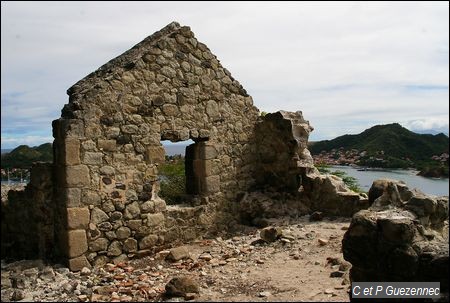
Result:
[339,157]
[15,174]
[354,157]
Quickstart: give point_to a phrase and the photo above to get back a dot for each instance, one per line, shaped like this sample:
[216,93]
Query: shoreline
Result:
[12,182]
[415,171]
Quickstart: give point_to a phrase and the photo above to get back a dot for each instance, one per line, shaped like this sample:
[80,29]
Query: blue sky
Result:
[347,66]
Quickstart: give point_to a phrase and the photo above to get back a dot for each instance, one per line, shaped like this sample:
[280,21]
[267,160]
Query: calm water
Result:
[427,185]
[11,182]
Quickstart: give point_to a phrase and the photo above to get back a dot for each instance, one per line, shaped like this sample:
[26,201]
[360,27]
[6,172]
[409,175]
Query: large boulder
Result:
[403,236]
[430,211]
[330,195]
[390,191]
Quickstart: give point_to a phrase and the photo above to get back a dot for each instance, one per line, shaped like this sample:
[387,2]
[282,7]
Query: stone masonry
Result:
[286,181]
[108,147]
[27,223]
[103,199]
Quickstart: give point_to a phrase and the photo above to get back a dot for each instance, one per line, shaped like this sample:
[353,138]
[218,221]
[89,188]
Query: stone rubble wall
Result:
[108,147]
[287,183]
[27,218]
[282,153]
[403,236]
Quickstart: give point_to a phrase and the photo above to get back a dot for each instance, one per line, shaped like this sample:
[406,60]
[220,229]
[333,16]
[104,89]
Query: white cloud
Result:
[432,123]
[346,65]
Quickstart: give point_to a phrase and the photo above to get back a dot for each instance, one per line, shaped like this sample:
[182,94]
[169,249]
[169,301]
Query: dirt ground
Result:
[294,268]
[278,271]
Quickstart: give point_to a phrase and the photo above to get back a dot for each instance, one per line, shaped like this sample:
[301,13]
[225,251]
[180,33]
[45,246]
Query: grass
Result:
[173,180]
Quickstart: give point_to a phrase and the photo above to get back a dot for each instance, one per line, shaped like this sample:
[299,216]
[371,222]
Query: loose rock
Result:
[322,242]
[178,253]
[181,286]
[270,234]
[316,216]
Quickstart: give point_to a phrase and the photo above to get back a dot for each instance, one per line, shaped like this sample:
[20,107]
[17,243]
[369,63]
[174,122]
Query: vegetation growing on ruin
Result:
[350,181]
[173,180]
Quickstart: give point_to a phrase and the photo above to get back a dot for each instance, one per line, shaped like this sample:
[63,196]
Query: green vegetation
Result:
[351,182]
[434,172]
[323,168]
[263,113]
[173,180]
[23,156]
[390,146]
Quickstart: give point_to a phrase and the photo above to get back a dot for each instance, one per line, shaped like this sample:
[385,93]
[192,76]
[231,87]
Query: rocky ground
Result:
[7,187]
[303,263]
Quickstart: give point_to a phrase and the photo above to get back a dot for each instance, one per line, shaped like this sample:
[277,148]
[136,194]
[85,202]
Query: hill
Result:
[23,156]
[389,145]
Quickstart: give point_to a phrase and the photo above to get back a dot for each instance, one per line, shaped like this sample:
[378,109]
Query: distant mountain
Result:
[432,132]
[393,141]
[23,156]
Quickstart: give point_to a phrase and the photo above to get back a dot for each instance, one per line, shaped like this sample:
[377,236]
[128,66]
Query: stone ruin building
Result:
[98,201]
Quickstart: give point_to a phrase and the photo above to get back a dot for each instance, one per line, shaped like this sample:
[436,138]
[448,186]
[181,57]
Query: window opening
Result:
[172,173]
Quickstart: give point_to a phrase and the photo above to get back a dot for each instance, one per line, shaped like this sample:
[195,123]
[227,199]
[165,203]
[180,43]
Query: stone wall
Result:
[27,218]
[108,147]
[282,152]
[287,183]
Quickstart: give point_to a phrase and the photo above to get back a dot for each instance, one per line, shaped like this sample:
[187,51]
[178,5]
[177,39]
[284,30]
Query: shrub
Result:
[351,182]
[173,181]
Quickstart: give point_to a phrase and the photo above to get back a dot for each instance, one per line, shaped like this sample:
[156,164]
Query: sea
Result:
[431,186]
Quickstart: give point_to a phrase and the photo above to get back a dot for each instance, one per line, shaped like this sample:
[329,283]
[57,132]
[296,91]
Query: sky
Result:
[347,66]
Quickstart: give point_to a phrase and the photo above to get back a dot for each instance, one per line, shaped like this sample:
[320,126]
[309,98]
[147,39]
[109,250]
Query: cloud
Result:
[346,65]
[433,123]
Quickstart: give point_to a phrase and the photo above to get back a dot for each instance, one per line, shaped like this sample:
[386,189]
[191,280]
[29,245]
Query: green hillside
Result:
[398,144]
[23,156]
